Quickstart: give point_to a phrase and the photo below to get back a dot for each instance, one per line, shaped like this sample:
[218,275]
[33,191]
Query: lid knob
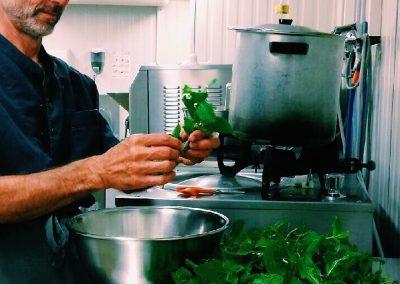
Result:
[282,9]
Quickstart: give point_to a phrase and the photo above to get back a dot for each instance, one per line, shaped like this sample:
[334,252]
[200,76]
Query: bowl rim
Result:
[71,221]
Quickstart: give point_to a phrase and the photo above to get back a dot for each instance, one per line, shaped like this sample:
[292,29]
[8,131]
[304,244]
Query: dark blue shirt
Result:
[49,117]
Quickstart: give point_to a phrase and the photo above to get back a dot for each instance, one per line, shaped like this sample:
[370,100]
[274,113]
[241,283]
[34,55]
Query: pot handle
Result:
[291,48]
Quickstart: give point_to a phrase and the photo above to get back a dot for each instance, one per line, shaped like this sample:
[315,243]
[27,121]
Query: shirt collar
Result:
[27,65]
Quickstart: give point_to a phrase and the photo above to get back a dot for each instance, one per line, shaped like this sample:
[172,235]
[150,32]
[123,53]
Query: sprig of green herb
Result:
[280,254]
[201,115]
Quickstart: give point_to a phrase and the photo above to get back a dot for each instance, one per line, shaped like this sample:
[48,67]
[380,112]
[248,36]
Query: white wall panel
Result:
[173,40]
[393,208]
[215,16]
[373,13]
[385,180]
[395,186]
[115,29]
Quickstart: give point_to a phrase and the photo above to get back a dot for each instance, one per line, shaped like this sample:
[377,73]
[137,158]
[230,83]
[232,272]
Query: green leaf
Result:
[232,266]
[231,278]
[280,253]
[255,234]
[201,115]
[186,147]
[204,129]
[269,279]
[189,125]
[205,113]
[221,125]
[295,280]
[308,271]
[187,89]
[311,243]
[177,132]
[337,232]
[272,258]
[191,264]
[211,271]
[198,97]
[265,243]
[189,104]
[182,276]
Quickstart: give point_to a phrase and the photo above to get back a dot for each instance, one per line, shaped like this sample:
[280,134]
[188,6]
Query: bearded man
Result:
[56,149]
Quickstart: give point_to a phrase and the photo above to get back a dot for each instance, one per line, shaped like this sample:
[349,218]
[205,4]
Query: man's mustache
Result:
[55,10]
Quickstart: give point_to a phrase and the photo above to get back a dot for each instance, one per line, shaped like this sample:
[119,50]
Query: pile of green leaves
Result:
[281,254]
[201,115]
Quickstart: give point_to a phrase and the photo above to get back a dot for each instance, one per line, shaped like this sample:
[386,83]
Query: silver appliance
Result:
[155,99]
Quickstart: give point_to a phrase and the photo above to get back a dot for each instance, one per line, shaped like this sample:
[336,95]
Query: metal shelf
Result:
[154,3]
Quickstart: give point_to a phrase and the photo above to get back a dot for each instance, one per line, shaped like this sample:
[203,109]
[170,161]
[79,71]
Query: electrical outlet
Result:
[121,64]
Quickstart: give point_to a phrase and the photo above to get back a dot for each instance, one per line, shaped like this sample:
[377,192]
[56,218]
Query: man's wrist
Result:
[89,174]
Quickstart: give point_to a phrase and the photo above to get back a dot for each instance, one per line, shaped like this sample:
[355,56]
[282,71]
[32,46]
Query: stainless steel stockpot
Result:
[286,84]
[144,244]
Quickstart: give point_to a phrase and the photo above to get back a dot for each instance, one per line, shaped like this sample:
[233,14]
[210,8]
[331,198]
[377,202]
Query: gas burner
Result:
[279,161]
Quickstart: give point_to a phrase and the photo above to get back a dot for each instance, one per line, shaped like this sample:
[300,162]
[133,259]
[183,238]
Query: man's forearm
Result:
[25,197]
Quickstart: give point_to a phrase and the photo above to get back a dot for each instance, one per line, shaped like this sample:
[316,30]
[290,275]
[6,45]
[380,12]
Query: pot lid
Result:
[281,29]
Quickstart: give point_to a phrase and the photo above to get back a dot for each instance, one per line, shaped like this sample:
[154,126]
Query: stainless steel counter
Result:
[356,213]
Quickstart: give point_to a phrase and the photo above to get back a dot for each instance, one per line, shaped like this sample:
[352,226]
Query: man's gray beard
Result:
[22,17]
[36,30]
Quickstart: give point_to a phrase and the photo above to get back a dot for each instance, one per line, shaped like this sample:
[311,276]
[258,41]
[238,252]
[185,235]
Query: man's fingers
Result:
[196,136]
[186,162]
[157,139]
[140,153]
[197,154]
[157,167]
[184,136]
[211,143]
[158,180]
[140,181]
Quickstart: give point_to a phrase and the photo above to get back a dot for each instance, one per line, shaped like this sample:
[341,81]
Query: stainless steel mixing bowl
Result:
[144,244]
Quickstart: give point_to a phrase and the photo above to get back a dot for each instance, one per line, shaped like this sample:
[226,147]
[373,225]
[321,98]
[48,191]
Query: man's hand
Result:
[200,147]
[138,162]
